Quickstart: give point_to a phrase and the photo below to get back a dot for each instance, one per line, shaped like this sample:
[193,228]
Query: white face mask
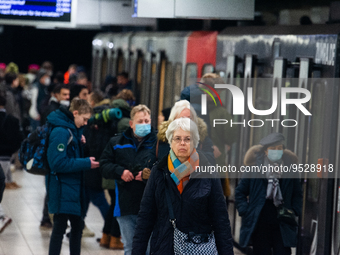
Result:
[65,102]
[47,81]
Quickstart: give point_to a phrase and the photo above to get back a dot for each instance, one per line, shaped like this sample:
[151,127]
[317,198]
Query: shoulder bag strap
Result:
[168,200]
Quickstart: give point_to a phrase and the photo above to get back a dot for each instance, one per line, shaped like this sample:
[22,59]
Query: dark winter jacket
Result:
[205,145]
[97,135]
[65,183]
[201,208]
[255,190]
[11,135]
[54,105]
[124,152]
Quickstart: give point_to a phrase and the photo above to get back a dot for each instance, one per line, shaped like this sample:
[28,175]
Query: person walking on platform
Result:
[65,180]
[124,159]
[177,194]
[269,204]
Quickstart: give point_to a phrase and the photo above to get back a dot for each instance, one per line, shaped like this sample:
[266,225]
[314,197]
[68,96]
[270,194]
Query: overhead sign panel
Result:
[47,10]
[200,9]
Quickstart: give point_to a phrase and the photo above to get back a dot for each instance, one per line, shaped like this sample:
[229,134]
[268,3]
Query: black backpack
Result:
[33,150]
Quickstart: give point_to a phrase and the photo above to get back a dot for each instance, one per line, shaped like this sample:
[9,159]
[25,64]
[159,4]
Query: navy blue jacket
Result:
[124,152]
[200,208]
[250,197]
[65,182]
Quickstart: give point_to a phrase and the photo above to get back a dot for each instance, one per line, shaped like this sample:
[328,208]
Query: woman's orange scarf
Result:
[181,171]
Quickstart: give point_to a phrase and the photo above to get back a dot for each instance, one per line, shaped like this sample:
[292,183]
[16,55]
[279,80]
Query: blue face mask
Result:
[275,155]
[143,130]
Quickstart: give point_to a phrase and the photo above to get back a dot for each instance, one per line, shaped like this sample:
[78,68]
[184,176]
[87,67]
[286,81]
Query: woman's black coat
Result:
[250,197]
[200,208]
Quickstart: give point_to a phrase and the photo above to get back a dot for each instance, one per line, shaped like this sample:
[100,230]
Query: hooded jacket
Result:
[255,190]
[65,182]
[125,152]
[200,208]
[205,145]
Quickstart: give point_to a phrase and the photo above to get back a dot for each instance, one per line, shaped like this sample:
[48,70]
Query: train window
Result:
[207,68]
[145,88]
[190,74]
[168,89]
[120,62]
[162,77]
[96,70]
[138,76]
[154,96]
[111,62]
[177,82]
[104,67]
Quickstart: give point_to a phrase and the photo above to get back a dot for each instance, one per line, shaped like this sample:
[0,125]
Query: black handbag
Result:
[287,216]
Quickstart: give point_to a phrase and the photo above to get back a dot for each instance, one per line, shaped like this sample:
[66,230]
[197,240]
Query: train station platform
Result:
[24,235]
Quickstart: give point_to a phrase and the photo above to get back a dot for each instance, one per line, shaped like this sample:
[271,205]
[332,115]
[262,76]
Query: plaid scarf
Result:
[180,172]
[273,187]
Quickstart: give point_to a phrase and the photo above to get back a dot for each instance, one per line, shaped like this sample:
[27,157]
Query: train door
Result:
[240,73]
[157,85]
[138,88]
[177,82]
[314,144]
[169,87]
[105,64]
[96,61]
[120,62]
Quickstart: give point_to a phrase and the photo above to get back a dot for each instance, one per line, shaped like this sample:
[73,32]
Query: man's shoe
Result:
[4,222]
[9,186]
[116,244]
[105,240]
[87,232]
[14,184]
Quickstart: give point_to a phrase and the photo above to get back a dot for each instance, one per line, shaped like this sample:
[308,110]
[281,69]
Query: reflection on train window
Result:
[120,62]
[145,88]
[190,74]
[168,90]
[177,81]
[104,67]
[154,92]
[162,77]
[207,68]
[96,70]
[111,62]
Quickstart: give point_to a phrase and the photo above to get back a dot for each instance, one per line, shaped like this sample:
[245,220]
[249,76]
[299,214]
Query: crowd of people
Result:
[158,203]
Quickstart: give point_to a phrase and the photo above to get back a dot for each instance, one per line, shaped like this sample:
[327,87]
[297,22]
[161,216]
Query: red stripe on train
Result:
[202,49]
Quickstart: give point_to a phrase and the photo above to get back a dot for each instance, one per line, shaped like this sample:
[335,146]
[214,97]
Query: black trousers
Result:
[59,227]
[267,240]
[111,224]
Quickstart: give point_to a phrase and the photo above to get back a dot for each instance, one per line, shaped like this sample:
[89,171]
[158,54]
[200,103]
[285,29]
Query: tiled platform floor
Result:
[24,236]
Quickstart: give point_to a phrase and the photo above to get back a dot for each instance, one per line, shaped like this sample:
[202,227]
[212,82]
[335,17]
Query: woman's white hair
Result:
[185,124]
[179,107]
